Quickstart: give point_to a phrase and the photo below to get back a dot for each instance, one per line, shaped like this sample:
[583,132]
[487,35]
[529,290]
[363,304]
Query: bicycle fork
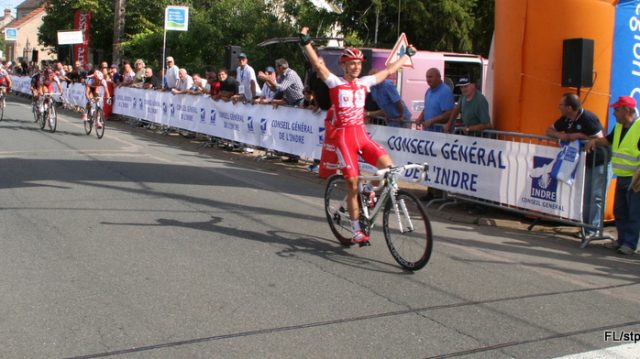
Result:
[399,205]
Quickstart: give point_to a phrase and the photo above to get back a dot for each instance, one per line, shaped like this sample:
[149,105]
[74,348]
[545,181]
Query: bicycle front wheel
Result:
[3,104]
[42,119]
[100,125]
[88,125]
[52,116]
[335,207]
[407,231]
[36,113]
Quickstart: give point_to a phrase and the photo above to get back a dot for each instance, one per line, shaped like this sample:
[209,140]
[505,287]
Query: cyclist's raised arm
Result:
[394,66]
[305,42]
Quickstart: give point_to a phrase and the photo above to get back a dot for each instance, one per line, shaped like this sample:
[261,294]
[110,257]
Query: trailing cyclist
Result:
[43,82]
[348,95]
[92,86]
[5,80]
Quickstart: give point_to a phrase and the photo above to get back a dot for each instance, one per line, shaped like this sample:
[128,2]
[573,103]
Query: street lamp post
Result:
[399,3]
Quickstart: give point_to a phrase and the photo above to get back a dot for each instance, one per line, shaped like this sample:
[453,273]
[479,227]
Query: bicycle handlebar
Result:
[417,166]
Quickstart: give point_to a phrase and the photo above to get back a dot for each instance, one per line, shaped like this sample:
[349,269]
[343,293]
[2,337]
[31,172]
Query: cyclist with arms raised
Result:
[348,95]
[93,83]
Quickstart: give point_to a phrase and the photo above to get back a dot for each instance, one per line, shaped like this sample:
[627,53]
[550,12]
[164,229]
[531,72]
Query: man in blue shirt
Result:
[438,101]
[392,107]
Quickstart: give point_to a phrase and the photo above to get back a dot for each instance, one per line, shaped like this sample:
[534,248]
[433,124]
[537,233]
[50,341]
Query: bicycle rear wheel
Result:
[408,231]
[100,125]
[335,207]
[53,118]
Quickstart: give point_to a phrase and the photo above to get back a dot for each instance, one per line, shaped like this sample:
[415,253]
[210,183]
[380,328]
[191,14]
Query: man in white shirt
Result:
[185,82]
[247,81]
[171,75]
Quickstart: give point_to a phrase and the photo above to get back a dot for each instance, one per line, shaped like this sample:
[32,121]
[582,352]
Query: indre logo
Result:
[203,115]
[164,108]
[212,117]
[250,123]
[321,131]
[263,126]
[172,109]
[543,185]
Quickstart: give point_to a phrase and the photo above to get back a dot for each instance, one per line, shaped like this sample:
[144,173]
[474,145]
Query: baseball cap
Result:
[269,69]
[242,55]
[625,101]
[114,66]
[463,81]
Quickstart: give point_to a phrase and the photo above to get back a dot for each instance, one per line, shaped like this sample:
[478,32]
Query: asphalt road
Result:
[145,246]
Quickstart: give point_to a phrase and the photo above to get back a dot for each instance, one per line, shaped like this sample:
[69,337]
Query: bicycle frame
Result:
[388,182]
[95,104]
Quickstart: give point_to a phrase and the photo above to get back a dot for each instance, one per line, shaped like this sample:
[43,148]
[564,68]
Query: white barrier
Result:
[286,129]
[73,93]
[511,173]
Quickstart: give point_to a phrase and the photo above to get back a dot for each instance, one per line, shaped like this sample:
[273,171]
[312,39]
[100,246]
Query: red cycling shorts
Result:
[352,141]
[328,158]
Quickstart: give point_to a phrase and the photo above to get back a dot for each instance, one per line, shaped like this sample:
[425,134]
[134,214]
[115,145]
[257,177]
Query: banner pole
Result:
[164,49]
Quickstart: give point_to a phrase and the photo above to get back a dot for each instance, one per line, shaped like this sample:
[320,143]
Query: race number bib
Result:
[350,98]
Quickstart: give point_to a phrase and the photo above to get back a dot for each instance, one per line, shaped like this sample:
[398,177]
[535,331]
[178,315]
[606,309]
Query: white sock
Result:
[355,225]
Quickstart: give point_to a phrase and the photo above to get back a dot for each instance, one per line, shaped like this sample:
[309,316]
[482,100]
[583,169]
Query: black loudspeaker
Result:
[231,57]
[577,63]
[34,55]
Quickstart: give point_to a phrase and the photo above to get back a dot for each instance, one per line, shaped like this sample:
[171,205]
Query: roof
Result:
[30,4]
[26,18]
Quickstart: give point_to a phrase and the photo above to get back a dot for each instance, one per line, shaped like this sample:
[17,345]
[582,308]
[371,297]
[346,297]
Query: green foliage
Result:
[443,25]
[436,25]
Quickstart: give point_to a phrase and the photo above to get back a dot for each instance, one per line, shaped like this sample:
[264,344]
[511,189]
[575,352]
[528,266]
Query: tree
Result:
[438,25]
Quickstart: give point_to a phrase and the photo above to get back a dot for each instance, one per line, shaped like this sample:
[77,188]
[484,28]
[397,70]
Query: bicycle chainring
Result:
[365,224]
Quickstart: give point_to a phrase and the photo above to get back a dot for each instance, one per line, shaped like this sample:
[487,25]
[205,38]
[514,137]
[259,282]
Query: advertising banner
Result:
[625,66]
[10,34]
[176,18]
[70,37]
[82,22]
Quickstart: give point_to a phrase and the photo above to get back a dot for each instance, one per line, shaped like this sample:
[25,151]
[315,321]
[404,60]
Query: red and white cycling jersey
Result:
[94,82]
[349,98]
[4,78]
[349,135]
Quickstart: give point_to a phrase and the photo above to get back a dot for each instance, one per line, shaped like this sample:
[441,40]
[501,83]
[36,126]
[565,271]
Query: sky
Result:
[9,4]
